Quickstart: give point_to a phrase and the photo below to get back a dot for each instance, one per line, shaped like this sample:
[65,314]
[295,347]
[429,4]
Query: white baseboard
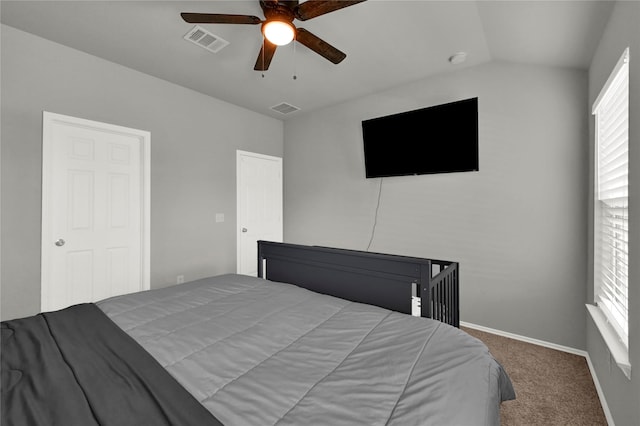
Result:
[525,339]
[603,401]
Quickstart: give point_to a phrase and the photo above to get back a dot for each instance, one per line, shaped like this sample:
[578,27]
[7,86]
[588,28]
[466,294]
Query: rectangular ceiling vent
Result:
[205,39]
[285,108]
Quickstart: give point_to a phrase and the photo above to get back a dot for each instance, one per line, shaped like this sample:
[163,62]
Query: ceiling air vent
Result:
[285,108]
[205,39]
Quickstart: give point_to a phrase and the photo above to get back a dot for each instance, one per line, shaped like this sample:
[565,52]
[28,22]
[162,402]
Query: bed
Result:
[323,336]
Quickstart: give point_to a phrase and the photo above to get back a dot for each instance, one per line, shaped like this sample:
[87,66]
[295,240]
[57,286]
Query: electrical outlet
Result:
[179,279]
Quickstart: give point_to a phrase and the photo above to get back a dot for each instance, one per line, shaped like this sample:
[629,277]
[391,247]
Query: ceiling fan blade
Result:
[312,8]
[319,46]
[219,18]
[265,56]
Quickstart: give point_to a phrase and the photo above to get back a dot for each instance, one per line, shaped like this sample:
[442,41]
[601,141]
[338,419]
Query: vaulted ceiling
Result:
[387,42]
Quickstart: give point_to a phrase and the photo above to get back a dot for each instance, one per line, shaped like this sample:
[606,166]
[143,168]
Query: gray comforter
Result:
[256,352]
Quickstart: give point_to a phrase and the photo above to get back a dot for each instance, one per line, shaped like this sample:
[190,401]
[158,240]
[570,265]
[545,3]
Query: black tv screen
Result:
[437,139]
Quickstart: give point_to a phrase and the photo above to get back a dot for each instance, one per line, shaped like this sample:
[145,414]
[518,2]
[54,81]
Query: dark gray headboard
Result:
[383,280]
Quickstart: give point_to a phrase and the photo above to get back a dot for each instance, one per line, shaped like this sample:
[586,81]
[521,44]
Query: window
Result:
[611,218]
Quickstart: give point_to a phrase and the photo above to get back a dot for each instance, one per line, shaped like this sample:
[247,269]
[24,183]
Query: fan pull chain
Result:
[295,77]
[262,57]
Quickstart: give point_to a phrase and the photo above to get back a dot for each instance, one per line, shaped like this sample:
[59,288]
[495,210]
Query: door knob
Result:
[244,229]
[60,242]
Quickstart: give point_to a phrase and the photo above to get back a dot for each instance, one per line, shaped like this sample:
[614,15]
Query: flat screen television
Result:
[437,139]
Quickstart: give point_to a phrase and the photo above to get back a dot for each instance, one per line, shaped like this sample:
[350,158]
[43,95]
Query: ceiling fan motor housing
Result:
[278,12]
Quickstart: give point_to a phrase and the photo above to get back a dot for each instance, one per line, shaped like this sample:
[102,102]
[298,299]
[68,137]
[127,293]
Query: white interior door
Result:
[259,196]
[95,211]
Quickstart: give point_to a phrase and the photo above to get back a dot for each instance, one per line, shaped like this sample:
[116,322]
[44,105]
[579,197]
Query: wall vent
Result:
[205,39]
[285,108]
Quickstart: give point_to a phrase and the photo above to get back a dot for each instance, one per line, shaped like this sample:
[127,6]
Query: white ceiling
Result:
[387,42]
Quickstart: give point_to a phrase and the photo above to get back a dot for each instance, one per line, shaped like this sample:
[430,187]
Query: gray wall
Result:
[622,395]
[517,227]
[193,146]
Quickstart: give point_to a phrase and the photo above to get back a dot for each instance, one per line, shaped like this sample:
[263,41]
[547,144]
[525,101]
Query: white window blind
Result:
[611,212]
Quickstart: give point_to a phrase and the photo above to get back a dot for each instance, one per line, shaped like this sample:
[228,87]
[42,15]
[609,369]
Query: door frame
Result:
[239,155]
[48,121]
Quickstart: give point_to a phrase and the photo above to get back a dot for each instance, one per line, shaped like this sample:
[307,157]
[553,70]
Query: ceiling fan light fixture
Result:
[278,32]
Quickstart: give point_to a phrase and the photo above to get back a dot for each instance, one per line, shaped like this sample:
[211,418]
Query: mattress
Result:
[257,352]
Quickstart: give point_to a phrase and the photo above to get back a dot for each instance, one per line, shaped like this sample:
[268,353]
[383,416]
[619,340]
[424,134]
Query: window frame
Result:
[614,331]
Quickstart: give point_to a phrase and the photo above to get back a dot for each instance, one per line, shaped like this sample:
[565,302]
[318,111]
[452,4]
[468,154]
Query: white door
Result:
[259,197]
[95,211]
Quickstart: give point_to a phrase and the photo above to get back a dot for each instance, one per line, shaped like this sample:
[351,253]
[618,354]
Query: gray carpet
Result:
[552,387]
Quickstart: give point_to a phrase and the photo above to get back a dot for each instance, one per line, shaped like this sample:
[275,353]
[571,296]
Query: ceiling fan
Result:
[278,28]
